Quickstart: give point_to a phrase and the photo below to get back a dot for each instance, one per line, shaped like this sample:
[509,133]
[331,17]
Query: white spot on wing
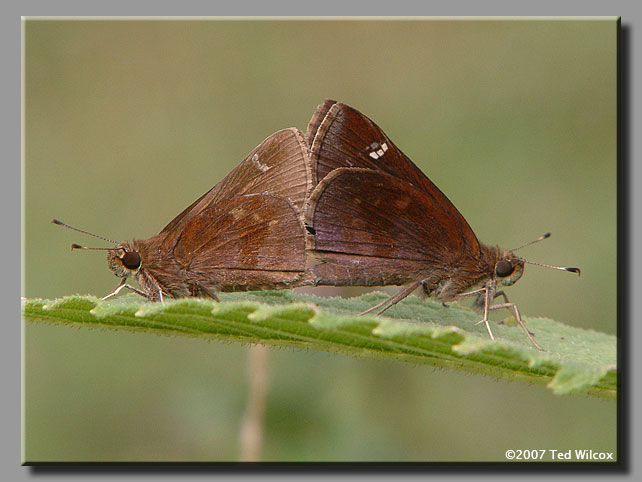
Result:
[260,166]
[377,150]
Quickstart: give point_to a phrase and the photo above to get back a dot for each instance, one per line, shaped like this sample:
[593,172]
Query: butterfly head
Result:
[508,268]
[124,260]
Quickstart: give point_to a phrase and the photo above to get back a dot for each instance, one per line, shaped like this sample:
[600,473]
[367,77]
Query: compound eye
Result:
[131,260]
[503,268]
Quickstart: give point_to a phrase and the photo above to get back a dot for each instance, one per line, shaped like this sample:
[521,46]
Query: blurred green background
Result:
[128,122]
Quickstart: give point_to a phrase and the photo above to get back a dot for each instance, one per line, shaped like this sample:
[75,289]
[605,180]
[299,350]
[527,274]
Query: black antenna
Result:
[77,246]
[542,237]
[60,223]
[572,270]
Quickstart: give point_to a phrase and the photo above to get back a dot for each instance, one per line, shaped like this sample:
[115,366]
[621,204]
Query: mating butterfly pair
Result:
[340,206]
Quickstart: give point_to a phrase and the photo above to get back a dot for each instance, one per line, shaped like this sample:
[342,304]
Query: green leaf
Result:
[414,331]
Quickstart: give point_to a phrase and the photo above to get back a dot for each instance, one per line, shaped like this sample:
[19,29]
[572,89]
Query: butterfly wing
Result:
[371,228]
[278,166]
[247,242]
[341,136]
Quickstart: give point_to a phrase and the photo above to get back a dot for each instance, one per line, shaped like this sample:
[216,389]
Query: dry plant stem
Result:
[251,437]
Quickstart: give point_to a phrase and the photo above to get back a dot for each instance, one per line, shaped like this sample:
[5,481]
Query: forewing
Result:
[278,166]
[246,242]
[341,136]
[381,226]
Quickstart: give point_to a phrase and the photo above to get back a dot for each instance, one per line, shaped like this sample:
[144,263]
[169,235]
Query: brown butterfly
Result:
[244,234]
[374,219]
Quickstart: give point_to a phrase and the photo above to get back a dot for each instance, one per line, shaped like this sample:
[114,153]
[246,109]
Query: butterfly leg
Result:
[486,291]
[487,298]
[513,306]
[393,300]
[121,285]
[490,294]
[501,293]
[471,293]
[426,292]
[209,293]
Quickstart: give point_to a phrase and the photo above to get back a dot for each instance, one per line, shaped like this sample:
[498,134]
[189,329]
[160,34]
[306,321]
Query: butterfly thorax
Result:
[474,272]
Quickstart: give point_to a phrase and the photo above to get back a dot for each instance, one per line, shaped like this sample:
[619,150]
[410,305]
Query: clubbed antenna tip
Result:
[60,223]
